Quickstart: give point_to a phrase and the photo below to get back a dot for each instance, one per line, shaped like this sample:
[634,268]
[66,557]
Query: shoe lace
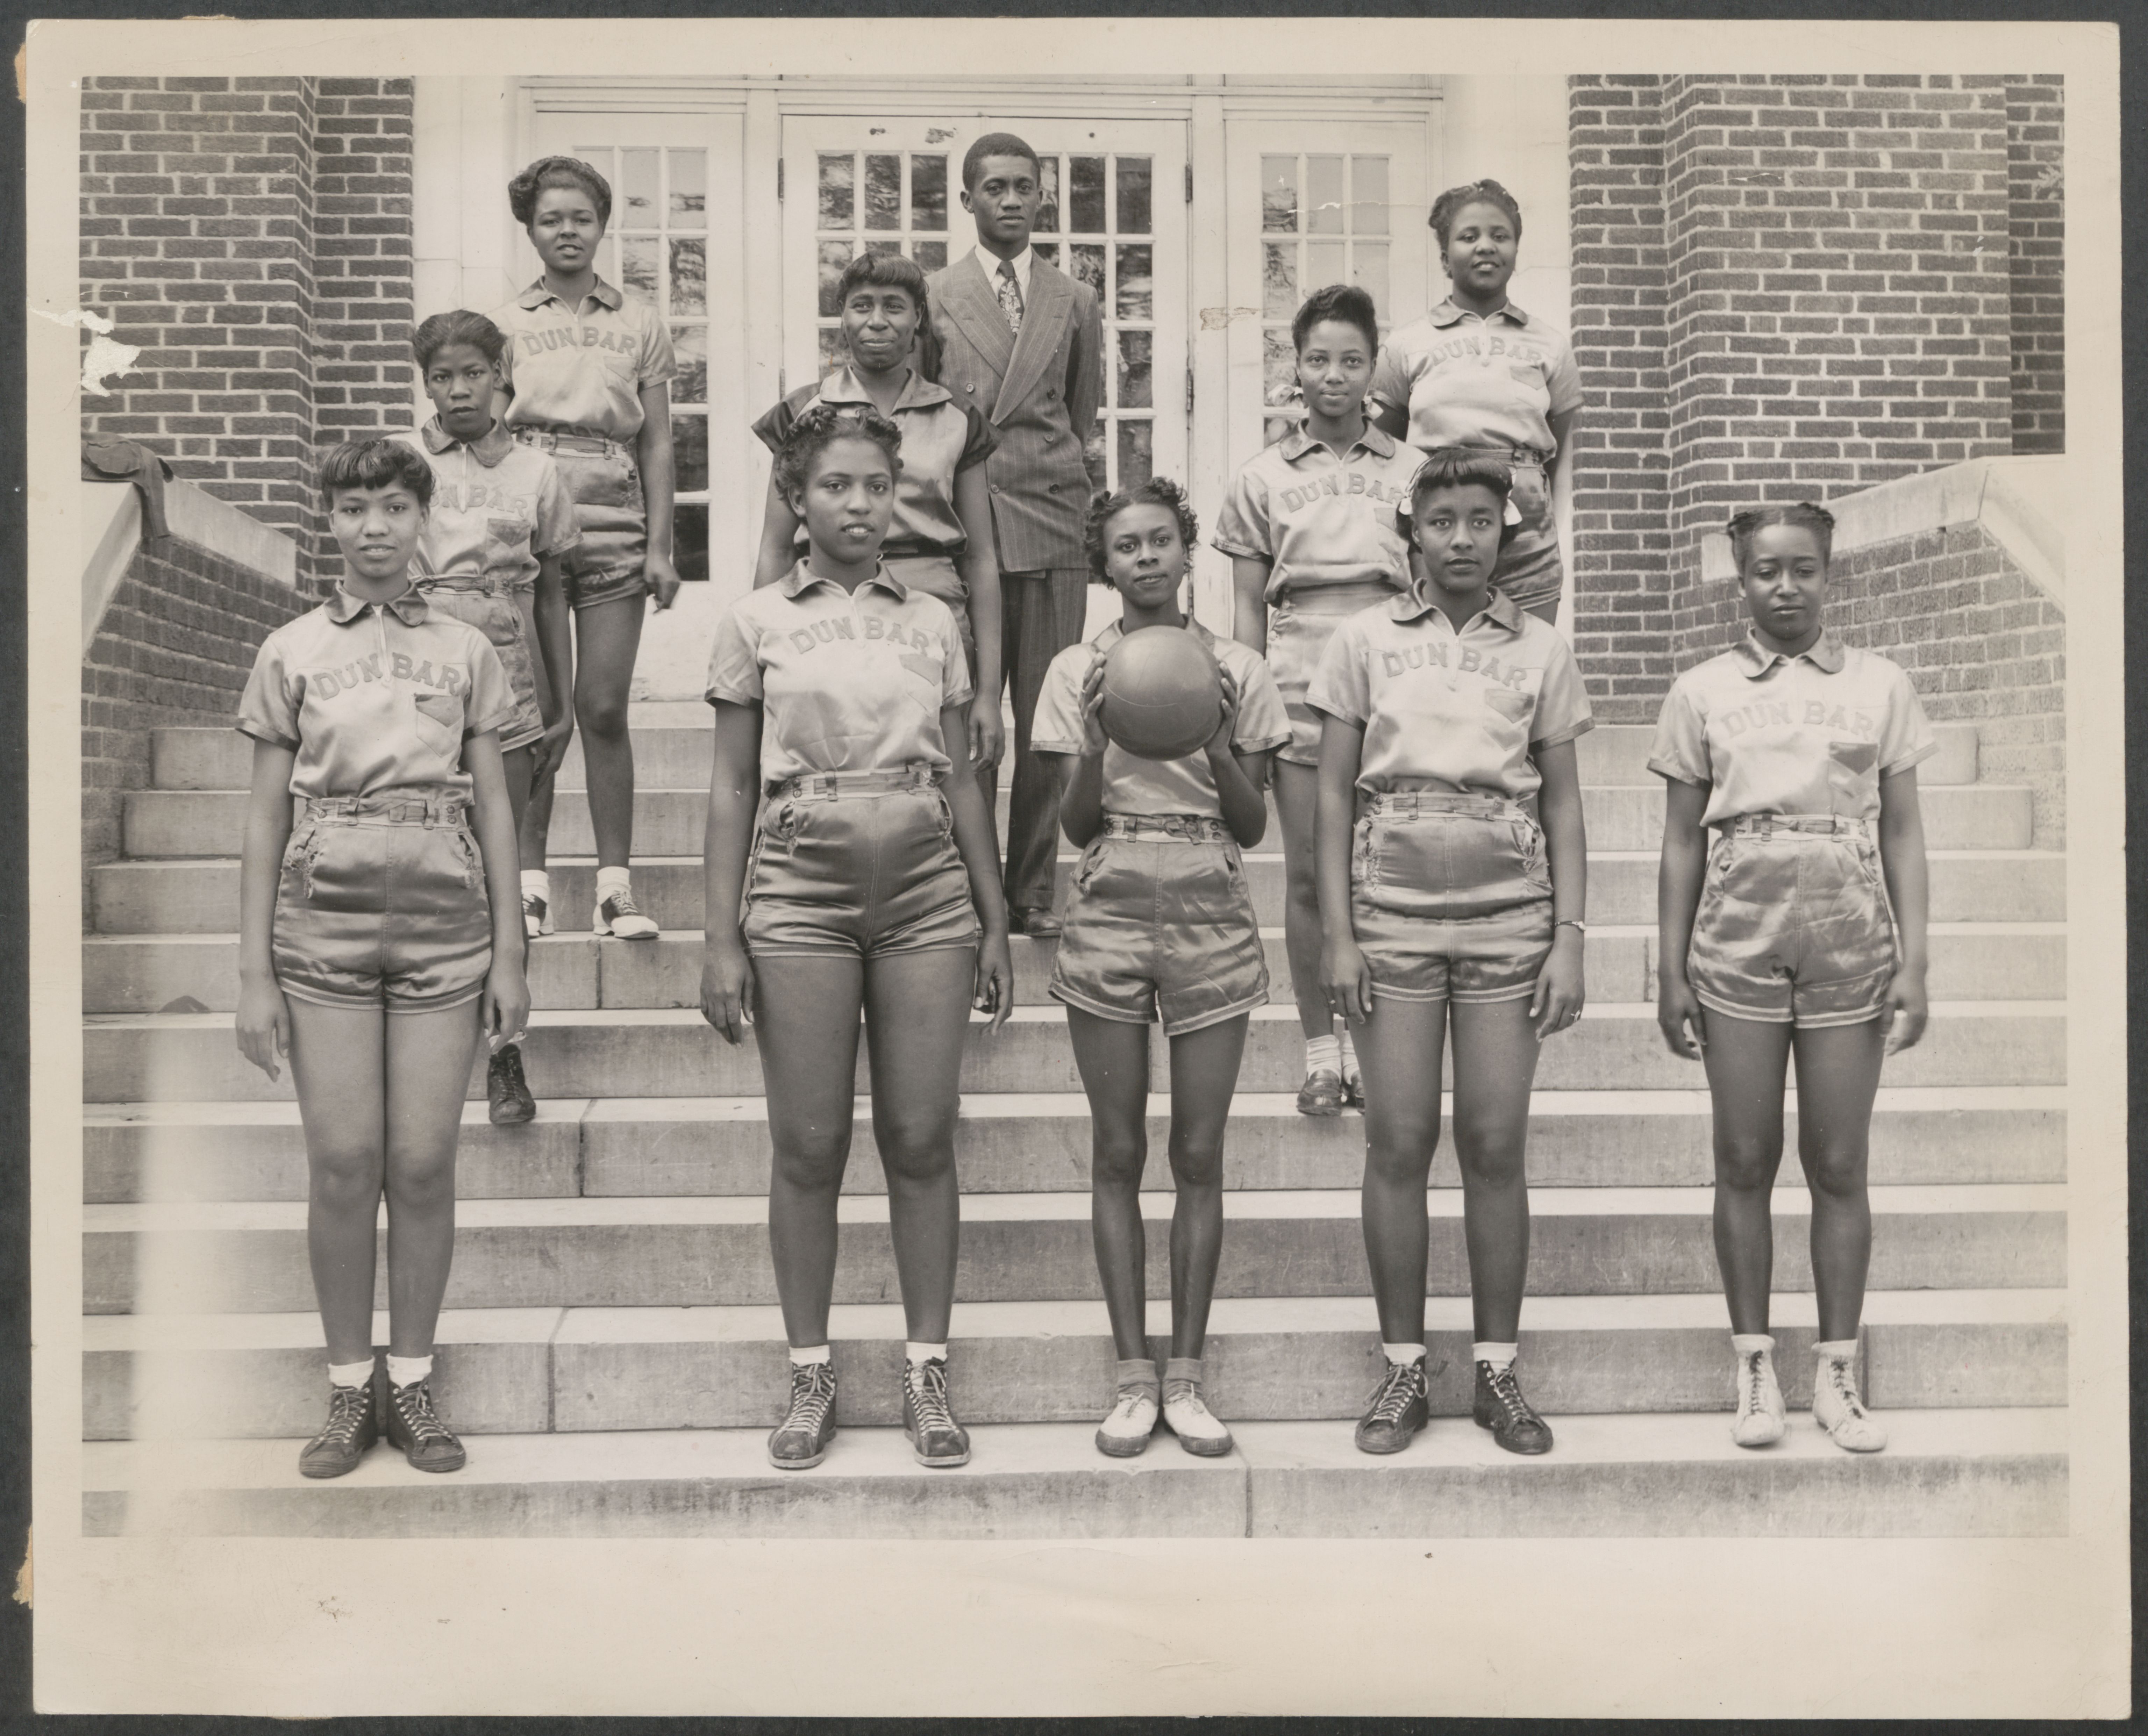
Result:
[1754,1385]
[508,1063]
[347,1411]
[1130,1400]
[928,1395]
[413,1403]
[1844,1384]
[534,903]
[812,1395]
[1508,1392]
[1397,1388]
[622,904]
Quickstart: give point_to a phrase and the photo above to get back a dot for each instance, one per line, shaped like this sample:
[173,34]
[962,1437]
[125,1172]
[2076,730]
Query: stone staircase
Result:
[613,1351]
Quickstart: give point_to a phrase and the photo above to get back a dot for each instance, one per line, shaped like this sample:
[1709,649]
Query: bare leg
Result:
[1204,1073]
[1495,1064]
[917,1016]
[607,636]
[339,1066]
[1112,1055]
[429,1069]
[805,1020]
[1747,1061]
[1838,1074]
[1399,1049]
[519,764]
[1297,798]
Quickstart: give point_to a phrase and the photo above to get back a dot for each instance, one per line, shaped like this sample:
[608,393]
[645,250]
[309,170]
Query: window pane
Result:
[1136,389]
[689,275]
[689,539]
[1136,451]
[1368,195]
[1370,270]
[838,173]
[1093,460]
[1279,295]
[689,189]
[637,265]
[1323,196]
[883,192]
[1087,264]
[637,190]
[1133,195]
[689,344]
[834,256]
[1279,194]
[1323,264]
[884,248]
[1136,294]
[1278,366]
[1047,211]
[1085,195]
[930,255]
[928,191]
[689,454]
[1048,251]
[831,349]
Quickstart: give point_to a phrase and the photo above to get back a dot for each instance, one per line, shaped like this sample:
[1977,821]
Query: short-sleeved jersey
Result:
[1470,379]
[1135,785]
[1811,735]
[376,699]
[940,440]
[498,509]
[583,368]
[845,681]
[1323,519]
[1451,711]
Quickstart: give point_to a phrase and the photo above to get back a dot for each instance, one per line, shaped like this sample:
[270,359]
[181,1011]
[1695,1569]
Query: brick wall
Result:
[252,238]
[2036,203]
[175,647]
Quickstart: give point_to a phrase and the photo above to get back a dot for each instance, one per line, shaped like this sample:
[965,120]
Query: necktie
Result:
[1010,293]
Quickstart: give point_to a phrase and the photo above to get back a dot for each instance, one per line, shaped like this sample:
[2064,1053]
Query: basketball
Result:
[1162,696]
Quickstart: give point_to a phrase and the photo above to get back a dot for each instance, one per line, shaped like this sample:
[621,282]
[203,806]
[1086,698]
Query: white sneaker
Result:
[1762,1416]
[618,916]
[1126,1432]
[536,914]
[1836,1407]
[1185,1415]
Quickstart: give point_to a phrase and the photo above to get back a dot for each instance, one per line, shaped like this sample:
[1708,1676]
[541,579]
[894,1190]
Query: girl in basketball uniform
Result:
[1453,876]
[388,939]
[1798,929]
[849,867]
[1159,928]
[1310,526]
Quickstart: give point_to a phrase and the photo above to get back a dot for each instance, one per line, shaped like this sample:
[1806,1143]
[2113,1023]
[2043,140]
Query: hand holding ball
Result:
[1162,698]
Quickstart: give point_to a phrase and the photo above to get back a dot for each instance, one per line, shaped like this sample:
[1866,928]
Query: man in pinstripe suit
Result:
[1024,342]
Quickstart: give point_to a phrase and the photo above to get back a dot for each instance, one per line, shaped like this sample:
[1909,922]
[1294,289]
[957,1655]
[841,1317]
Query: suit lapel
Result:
[1051,294]
[969,303]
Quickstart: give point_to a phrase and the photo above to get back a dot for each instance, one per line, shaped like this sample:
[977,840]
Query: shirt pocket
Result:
[506,541]
[441,723]
[1853,775]
[1512,707]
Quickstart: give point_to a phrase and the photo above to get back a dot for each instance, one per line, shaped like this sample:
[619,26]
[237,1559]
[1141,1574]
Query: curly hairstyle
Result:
[460,327]
[524,190]
[1454,467]
[996,144]
[819,428]
[1346,304]
[892,271]
[1449,205]
[376,465]
[1156,491]
[1806,514]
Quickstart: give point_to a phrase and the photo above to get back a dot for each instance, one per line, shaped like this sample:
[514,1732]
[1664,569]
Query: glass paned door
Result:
[853,186]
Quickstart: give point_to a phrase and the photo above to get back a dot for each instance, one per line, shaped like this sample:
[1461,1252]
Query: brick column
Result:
[2036,233]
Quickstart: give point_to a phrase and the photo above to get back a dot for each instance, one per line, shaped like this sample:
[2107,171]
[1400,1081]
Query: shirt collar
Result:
[801,579]
[1114,631]
[988,262]
[918,393]
[1825,654]
[536,295]
[1416,602]
[488,449]
[409,608]
[1375,439]
[1447,313]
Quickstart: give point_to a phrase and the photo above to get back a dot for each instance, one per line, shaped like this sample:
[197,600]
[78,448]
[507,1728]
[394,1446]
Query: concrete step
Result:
[192,1058]
[525,1371]
[684,1251]
[200,896]
[145,973]
[672,749]
[1016,1142]
[1946,1473]
[674,821]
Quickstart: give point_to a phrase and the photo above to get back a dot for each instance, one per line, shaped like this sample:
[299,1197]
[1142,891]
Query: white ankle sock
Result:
[1745,1343]
[611,880]
[537,882]
[1839,1350]
[1322,1052]
[1403,1355]
[807,1357]
[917,1353]
[408,1371]
[1137,1371]
[351,1374]
[1499,1355]
[1349,1052]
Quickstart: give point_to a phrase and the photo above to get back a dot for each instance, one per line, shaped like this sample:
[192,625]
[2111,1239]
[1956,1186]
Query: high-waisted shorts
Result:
[1450,897]
[1300,625]
[495,609]
[1529,571]
[1159,926]
[600,478]
[1794,927]
[383,904]
[864,866]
